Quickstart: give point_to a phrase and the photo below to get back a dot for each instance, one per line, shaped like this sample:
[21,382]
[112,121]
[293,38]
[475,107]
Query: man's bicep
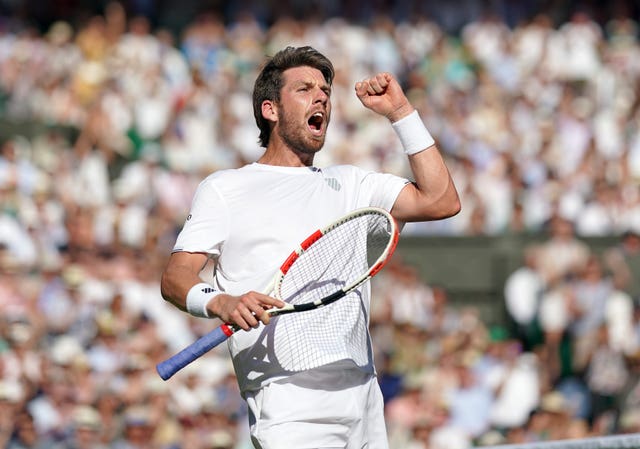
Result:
[405,204]
[414,204]
[192,262]
[181,273]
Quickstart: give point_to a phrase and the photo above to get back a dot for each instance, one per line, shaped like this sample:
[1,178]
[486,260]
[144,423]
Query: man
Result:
[247,220]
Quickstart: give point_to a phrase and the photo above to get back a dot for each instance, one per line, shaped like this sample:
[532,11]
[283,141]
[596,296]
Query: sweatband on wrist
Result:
[413,135]
[198,297]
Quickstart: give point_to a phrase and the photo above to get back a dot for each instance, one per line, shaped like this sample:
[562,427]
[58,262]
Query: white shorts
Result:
[321,408]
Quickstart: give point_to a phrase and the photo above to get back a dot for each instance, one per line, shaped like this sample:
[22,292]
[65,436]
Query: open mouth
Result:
[316,122]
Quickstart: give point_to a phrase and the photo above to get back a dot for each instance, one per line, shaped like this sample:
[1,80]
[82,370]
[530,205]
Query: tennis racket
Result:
[325,267]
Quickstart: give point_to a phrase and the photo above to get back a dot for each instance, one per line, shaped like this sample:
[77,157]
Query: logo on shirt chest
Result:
[333,183]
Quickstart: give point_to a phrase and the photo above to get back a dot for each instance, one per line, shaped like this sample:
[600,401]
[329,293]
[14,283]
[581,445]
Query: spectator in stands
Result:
[470,402]
[83,431]
[623,260]
[606,374]
[562,255]
[587,305]
[25,435]
[522,293]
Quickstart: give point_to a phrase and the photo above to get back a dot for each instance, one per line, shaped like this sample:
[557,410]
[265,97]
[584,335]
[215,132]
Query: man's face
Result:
[304,109]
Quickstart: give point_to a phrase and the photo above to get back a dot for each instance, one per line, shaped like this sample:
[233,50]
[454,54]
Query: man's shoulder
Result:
[227,173]
[344,170]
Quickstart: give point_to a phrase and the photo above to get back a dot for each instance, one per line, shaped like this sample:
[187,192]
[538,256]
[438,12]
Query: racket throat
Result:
[310,305]
[321,302]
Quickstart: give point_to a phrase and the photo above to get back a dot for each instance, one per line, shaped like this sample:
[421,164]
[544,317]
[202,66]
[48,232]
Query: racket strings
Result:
[337,260]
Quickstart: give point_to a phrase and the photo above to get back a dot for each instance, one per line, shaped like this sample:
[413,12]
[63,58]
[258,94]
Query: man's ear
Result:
[270,110]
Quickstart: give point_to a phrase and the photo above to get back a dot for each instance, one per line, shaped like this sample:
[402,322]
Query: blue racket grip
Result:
[201,346]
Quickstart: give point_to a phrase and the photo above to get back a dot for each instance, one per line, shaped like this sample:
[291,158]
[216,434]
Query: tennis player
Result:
[247,220]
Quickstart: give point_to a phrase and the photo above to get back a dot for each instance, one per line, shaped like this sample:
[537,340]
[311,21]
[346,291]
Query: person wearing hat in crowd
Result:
[551,419]
[137,430]
[84,430]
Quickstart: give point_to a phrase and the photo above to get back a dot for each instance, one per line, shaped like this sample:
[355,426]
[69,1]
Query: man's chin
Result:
[313,146]
[309,144]
[318,142]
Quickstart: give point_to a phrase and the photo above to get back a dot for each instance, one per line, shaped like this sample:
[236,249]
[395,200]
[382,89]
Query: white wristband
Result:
[198,297]
[413,135]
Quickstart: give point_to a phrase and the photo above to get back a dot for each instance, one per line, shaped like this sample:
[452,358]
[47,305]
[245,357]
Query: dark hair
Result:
[269,80]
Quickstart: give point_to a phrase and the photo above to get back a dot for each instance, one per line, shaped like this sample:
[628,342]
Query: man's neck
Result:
[282,155]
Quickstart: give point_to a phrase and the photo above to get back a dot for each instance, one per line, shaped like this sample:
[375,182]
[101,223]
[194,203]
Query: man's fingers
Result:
[370,87]
[379,83]
[270,301]
[265,317]
[374,85]
[244,318]
[260,306]
[384,79]
[248,310]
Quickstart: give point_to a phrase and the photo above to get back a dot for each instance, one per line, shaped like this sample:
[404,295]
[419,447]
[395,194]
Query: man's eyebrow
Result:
[308,83]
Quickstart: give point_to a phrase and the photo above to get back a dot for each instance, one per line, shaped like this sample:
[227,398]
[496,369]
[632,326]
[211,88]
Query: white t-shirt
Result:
[249,219]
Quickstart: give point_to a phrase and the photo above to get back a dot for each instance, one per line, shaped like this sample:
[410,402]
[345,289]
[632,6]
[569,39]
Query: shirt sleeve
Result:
[382,188]
[207,225]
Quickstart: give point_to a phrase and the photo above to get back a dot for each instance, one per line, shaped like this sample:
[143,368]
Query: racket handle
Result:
[201,346]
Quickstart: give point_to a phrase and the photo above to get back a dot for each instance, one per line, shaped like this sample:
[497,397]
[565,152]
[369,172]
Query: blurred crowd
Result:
[540,125]
[565,364]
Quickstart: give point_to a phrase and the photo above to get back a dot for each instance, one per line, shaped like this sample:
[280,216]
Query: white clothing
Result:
[347,411]
[519,393]
[521,292]
[449,437]
[619,321]
[554,313]
[249,219]
[17,241]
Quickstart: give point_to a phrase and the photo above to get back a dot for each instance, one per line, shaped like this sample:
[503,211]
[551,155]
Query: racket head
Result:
[338,258]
